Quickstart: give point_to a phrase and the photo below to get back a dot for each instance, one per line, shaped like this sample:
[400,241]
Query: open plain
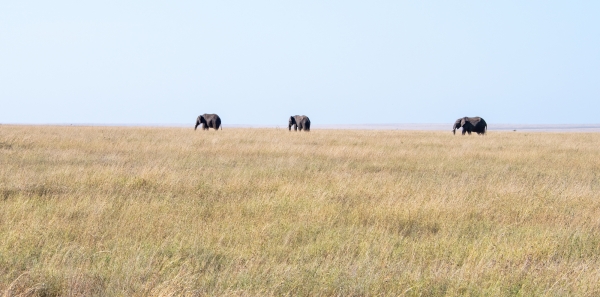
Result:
[133,211]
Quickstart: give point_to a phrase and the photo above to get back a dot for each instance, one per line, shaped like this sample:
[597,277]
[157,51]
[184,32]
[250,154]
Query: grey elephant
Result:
[474,124]
[299,122]
[208,120]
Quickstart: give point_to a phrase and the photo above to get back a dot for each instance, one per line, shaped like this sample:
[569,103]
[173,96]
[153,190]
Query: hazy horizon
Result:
[384,126]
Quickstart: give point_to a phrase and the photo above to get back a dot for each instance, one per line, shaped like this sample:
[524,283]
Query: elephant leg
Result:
[464,132]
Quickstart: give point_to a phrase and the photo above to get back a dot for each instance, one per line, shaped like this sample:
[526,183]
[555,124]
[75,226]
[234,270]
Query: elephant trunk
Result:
[456,125]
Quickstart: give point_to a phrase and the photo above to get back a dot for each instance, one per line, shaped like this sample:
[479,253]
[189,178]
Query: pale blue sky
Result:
[339,62]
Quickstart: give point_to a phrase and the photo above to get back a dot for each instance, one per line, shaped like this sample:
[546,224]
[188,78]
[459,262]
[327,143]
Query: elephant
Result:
[299,122]
[210,120]
[475,124]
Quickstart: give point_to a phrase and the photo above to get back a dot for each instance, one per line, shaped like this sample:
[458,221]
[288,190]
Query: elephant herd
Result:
[474,124]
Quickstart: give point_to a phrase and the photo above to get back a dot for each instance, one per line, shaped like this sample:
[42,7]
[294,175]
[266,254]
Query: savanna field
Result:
[130,211]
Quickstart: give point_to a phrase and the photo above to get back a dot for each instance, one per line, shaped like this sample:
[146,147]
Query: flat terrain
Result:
[572,128]
[112,211]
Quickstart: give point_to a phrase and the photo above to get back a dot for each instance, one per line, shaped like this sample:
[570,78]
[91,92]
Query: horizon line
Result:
[383,126]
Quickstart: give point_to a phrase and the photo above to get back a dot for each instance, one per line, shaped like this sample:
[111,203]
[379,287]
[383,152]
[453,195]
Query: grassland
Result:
[111,211]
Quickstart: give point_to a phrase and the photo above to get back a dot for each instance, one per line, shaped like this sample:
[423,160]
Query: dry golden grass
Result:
[111,211]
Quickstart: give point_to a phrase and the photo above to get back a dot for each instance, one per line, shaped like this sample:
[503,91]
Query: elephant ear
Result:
[463,122]
[292,120]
